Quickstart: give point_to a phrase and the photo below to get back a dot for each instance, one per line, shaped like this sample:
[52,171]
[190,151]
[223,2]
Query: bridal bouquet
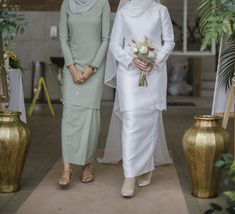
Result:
[146,52]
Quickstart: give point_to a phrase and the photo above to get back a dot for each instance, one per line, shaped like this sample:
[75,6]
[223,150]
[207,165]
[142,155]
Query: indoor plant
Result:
[227,165]
[10,24]
[217,24]
[14,134]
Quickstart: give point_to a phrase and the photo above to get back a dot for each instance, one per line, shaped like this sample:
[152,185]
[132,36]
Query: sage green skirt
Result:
[80,132]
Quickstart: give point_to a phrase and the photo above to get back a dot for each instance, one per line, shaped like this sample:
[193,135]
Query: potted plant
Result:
[227,165]
[11,23]
[217,24]
[14,134]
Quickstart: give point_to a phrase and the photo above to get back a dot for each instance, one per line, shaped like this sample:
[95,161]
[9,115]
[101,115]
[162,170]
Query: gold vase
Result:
[14,144]
[203,144]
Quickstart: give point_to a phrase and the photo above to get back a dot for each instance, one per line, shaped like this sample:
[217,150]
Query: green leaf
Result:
[230,210]
[212,13]
[216,206]
[232,8]
[227,2]
[227,61]
[219,163]
[228,157]
[226,181]
[209,211]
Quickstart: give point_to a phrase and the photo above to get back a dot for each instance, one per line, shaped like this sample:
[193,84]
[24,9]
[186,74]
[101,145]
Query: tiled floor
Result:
[45,149]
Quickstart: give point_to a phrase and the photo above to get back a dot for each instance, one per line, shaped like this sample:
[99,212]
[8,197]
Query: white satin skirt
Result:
[137,137]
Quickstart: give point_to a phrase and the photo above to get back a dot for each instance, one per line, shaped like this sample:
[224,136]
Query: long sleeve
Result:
[64,35]
[167,37]
[101,53]
[116,42]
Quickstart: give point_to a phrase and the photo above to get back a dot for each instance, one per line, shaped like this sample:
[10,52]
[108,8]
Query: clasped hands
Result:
[80,77]
[141,65]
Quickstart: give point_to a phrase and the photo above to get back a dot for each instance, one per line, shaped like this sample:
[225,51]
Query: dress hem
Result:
[77,163]
[81,106]
[139,174]
[158,107]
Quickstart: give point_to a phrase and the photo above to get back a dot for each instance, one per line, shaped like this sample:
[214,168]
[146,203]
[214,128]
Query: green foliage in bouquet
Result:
[217,20]
[227,165]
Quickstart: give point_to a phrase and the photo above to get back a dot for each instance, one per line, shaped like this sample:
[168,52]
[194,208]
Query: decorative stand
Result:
[227,113]
[230,100]
[41,83]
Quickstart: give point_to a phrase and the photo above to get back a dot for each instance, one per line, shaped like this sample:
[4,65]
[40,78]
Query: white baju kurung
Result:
[139,108]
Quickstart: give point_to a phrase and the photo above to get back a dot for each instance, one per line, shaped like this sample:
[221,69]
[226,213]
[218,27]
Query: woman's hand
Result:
[150,67]
[140,65]
[76,74]
[87,73]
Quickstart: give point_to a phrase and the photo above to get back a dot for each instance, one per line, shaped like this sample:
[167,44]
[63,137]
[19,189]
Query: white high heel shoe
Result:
[128,188]
[145,179]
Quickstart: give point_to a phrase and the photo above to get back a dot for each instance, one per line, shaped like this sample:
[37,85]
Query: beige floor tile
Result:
[163,196]
[45,152]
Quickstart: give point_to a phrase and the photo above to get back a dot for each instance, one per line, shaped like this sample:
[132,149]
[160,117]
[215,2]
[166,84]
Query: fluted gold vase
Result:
[203,144]
[14,143]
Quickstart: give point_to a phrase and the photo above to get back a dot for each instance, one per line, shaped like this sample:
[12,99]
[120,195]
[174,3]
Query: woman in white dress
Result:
[139,109]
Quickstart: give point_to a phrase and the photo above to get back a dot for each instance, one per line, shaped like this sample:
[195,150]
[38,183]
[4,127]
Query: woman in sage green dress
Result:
[84,34]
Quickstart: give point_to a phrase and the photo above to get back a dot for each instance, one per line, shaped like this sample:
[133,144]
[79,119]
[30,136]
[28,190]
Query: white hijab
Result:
[80,6]
[135,8]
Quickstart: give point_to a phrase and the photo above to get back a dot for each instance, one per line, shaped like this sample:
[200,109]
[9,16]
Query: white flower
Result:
[143,50]
[152,54]
[135,50]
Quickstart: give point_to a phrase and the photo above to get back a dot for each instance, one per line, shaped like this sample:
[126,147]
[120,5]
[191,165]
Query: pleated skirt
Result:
[79,134]
[140,132]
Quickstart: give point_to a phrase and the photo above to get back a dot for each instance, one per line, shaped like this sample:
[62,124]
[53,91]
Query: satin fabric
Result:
[136,114]
[139,137]
[111,62]
[113,149]
[80,6]
[128,28]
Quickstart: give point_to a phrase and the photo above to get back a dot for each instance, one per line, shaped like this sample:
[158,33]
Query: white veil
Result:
[111,63]
[113,148]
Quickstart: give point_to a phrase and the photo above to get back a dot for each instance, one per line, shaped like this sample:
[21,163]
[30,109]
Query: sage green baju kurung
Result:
[84,41]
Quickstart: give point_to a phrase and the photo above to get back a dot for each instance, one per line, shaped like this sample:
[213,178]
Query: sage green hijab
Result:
[80,6]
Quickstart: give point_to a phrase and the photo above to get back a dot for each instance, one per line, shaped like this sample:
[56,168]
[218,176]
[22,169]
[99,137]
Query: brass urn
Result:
[203,144]
[14,144]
